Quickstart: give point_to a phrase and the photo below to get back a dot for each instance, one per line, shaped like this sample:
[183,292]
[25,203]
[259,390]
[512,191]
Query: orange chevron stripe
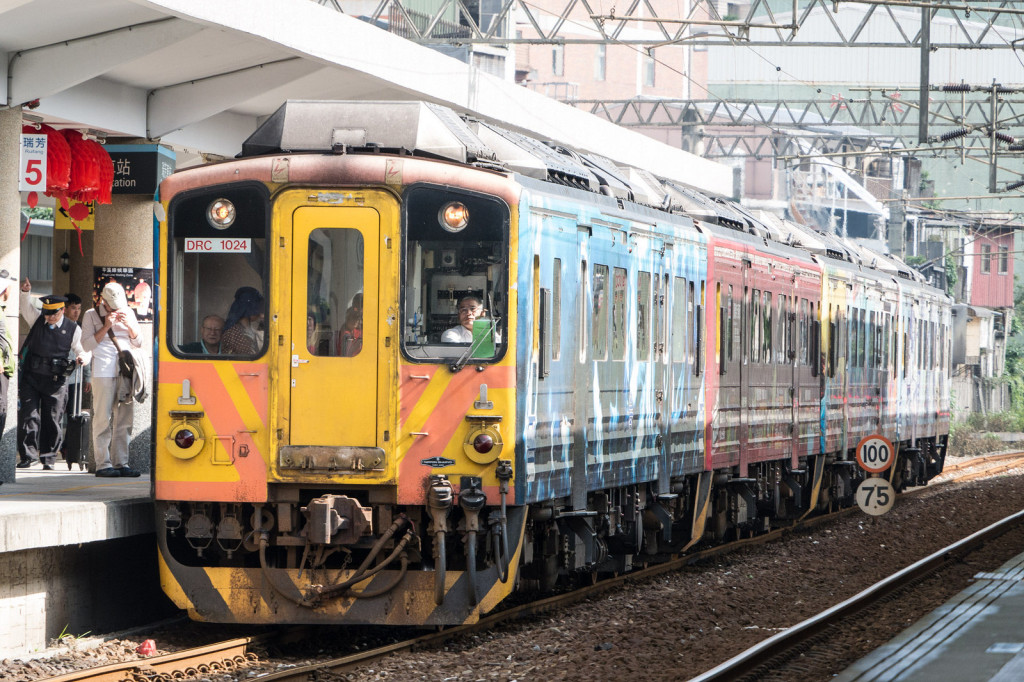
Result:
[258,388]
[217,402]
[446,417]
[410,390]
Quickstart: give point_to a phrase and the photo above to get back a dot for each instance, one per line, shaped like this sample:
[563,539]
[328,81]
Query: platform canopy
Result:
[200,75]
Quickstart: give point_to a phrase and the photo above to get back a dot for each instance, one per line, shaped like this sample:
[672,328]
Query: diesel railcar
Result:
[652,368]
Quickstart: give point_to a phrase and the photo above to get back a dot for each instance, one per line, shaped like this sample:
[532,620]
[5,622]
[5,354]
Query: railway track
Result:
[238,655]
[780,647]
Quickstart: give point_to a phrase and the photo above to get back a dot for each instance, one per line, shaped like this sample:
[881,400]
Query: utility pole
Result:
[926,50]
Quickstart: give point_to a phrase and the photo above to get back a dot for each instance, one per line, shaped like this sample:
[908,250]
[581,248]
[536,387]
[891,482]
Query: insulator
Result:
[1015,185]
[1019,147]
[1008,139]
[953,134]
[956,87]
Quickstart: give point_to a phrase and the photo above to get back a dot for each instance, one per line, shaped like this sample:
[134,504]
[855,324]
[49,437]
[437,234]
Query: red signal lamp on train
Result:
[483,443]
[220,214]
[185,439]
[454,216]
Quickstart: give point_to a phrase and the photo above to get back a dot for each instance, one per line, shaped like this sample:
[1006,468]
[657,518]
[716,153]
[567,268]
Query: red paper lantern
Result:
[92,170]
[58,158]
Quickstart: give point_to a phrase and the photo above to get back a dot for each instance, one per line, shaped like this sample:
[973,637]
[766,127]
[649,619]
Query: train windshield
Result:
[455,275]
[218,263]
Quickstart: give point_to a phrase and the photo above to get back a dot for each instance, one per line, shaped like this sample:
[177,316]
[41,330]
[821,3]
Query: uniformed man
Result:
[43,389]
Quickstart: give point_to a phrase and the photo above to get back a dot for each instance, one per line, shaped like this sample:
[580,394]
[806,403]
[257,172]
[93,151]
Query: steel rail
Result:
[239,651]
[761,654]
[223,656]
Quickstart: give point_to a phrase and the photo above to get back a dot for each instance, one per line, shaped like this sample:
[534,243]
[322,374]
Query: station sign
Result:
[875,496]
[139,168]
[875,454]
[32,168]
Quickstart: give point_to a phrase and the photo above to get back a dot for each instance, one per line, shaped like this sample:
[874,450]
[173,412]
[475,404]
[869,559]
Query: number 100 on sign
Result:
[875,454]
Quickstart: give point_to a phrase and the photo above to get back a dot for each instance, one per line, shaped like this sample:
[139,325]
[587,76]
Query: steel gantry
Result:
[764,23]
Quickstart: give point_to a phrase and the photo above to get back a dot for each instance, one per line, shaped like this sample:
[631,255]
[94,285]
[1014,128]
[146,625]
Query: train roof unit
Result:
[430,130]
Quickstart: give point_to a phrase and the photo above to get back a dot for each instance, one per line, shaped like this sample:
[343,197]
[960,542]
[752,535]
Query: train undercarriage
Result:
[344,556]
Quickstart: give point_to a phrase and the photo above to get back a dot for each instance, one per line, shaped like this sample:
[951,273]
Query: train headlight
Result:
[483,444]
[185,440]
[220,214]
[454,216]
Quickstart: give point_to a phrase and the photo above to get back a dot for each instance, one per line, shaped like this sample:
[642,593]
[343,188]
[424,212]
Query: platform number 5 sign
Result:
[32,177]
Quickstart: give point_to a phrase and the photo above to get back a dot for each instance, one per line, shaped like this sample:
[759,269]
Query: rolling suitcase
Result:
[78,439]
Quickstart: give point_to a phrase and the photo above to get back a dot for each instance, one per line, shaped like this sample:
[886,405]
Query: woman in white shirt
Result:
[112,420]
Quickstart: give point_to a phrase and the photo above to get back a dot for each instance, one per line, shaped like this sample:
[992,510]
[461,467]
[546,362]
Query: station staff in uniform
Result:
[43,389]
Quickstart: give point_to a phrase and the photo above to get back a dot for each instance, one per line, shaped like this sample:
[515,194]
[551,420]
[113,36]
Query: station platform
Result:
[62,507]
[77,555]
[978,635]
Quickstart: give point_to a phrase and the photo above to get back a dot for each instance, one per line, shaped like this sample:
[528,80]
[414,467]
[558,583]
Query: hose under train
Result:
[316,593]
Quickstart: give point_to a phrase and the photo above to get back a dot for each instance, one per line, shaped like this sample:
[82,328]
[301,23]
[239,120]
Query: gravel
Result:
[672,627]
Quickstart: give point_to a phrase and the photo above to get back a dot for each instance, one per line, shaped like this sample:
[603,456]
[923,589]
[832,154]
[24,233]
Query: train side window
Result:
[744,350]
[721,337]
[216,299]
[755,326]
[768,353]
[643,316]
[698,327]
[833,331]
[872,341]
[455,249]
[815,341]
[556,310]
[600,312]
[581,312]
[679,345]
[730,314]
[693,325]
[619,282]
[803,331]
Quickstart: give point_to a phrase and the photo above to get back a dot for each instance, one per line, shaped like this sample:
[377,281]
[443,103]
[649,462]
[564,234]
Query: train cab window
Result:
[217,264]
[618,313]
[455,275]
[643,317]
[599,312]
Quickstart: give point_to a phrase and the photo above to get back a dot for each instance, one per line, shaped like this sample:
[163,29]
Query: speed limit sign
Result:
[875,496]
[875,454]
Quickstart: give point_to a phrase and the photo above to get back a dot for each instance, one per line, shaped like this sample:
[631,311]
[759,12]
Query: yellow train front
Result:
[321,455]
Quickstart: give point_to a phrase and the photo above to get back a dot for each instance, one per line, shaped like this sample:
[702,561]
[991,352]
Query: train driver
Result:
[470,308]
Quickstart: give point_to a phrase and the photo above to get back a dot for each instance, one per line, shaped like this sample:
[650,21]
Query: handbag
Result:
[125,359]
[131,369]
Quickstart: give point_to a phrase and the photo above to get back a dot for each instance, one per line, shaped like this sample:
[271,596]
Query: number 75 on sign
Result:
[32,170]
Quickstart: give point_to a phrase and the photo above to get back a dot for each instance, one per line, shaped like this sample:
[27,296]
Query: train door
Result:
[746,368]
[333,345]
[787,317]
[580,433]
[662,372]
